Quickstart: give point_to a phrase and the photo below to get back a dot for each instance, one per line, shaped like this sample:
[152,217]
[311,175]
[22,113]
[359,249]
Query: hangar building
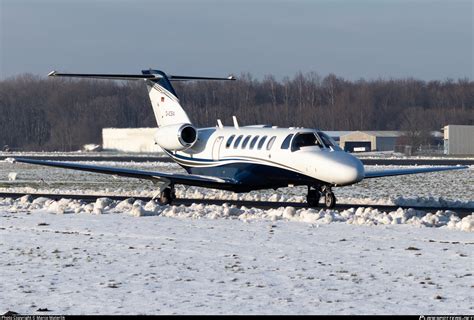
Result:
[369,140]
[129,139]
[336,135]
[458,140]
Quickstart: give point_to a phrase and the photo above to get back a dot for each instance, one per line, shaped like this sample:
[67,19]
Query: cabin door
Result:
[216,148]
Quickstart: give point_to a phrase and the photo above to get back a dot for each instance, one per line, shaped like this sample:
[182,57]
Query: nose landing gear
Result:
[314,194]
[329,200]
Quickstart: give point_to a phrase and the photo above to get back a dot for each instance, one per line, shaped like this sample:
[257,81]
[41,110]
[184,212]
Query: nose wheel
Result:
[315,194]
[329,200]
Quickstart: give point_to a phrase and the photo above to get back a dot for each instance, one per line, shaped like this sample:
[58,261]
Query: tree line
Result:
[38,113]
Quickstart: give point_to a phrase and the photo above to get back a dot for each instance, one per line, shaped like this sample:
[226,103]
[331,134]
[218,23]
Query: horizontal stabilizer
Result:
[185,78]
[105,76]
[147,75]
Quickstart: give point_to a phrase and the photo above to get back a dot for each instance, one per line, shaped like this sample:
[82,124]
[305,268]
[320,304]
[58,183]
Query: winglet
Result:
[52,73]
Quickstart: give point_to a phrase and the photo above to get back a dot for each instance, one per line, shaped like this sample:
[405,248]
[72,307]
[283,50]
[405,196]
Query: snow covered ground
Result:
[360,216]
[216,261]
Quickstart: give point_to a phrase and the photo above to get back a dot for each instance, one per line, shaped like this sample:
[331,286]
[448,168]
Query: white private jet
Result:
[237,158]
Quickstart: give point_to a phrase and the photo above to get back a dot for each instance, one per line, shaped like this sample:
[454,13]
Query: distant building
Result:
[336,135]
[458,140]
[360,141]
[129,140]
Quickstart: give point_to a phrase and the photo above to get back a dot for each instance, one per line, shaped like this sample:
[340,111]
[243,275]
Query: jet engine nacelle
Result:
[176,137]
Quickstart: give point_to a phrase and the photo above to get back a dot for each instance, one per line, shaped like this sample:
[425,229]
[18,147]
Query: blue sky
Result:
[353,39]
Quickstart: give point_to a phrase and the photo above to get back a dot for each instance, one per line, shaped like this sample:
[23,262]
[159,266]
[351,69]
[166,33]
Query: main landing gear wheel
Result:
[313,197]
[166,196]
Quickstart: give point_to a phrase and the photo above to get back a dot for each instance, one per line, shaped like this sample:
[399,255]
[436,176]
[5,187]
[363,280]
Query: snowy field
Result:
[166,264]
[112,257]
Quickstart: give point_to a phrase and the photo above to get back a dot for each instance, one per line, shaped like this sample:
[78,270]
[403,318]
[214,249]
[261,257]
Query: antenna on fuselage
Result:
[219,124]
[236,123]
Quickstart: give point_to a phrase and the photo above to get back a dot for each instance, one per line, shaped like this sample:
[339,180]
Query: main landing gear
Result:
[315,194]
[165,196]
[313,197]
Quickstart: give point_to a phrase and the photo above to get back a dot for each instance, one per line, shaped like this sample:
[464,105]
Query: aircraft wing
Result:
[173,178]
[399,172]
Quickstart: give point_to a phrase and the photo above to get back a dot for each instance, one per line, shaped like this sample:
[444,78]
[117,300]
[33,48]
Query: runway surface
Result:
[461,212]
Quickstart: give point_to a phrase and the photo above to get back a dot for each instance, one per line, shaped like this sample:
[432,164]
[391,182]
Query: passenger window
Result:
[270,143]
[237,141]
[261,142]
[286,142]
[253,142]
[246,140]
[229,141]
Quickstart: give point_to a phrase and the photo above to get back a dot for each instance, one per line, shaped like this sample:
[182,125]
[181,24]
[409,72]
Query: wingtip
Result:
[231,77]
[52,73]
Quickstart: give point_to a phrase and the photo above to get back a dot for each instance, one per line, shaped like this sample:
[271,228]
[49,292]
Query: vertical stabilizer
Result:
[164,100]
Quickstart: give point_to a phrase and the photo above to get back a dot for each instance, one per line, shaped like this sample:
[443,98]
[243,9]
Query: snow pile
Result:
[410,201]
[138,208]
[284,196]
[429,201]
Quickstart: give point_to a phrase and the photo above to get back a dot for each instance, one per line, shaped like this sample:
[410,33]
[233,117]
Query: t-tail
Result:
[164,100]
[176,131]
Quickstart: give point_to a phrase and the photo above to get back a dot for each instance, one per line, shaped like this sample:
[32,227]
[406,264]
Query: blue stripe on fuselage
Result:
[254,176]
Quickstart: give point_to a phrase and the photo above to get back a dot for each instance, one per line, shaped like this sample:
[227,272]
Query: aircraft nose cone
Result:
[338,168]
[350,170]
[355,171]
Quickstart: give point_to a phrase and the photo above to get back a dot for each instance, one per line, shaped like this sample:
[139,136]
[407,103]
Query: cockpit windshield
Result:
[309,139]
[328,141]
[305,140]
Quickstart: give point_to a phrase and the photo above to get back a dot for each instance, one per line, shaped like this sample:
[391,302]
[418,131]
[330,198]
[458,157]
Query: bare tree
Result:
[64,114]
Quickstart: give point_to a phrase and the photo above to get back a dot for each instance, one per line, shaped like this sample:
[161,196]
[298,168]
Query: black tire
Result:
[165,197]
[313,198]
[329,200]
